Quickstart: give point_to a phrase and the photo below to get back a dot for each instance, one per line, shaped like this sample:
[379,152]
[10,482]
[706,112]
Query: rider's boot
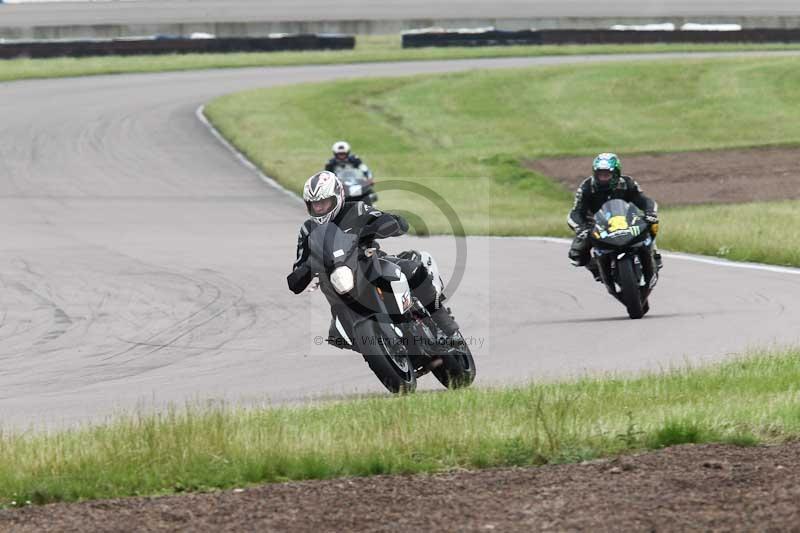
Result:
[445,321]
[580,255]
[420,280]
[594,269]
[421,284]
[657,262]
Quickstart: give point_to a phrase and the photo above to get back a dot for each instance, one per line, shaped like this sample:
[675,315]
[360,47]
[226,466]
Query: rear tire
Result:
[387,357]
[631,295]
[458,366]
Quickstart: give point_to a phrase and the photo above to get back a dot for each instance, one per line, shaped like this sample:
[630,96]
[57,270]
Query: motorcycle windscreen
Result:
[330,246]
[618,223]
[349,175]
[353,180]
[609,212]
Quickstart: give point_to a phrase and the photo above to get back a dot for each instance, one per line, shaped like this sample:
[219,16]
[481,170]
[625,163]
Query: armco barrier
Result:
[169,45]
[533,37]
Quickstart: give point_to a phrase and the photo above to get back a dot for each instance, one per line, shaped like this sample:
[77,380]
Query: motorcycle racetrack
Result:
[143,263]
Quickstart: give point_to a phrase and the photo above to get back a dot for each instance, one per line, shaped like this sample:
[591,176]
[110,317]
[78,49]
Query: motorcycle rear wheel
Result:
[458,366]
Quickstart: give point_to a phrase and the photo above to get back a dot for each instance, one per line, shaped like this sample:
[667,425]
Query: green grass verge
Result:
[368,49]
[744,402]
[762,232]
[465,135]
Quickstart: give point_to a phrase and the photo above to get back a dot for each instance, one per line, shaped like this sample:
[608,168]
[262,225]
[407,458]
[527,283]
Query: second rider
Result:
[606,183]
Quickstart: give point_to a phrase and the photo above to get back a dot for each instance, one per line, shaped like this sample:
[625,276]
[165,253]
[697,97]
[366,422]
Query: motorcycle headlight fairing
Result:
[342,279]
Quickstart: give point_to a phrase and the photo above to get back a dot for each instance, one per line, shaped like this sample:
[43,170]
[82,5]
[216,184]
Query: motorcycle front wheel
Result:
[631,294]
[387,357]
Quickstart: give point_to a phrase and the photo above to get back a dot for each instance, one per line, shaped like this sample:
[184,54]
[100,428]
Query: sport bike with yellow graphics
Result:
[376,314]
[622,247]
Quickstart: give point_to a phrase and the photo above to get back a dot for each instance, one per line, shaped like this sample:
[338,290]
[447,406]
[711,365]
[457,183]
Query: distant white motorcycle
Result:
[357,185]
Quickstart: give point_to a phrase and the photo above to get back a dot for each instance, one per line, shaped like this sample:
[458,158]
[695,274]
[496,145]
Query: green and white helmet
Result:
[606,170]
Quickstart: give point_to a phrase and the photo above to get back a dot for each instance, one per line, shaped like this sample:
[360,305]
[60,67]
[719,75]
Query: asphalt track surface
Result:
[176,11]
[141,263]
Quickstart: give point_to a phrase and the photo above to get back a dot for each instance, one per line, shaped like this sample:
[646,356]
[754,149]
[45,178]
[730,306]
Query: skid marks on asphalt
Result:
[115,318]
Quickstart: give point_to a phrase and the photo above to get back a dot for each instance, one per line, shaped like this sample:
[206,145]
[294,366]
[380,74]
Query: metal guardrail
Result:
[173,45]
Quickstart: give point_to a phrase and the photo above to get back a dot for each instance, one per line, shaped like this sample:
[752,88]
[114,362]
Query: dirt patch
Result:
[718,176]
[709,487]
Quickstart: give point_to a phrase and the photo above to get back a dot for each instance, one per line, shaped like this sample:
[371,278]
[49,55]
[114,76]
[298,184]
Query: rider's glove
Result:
[299,279]
[651,217]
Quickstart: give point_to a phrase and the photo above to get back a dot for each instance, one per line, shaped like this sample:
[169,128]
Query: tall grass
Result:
[764,232]
[745,401]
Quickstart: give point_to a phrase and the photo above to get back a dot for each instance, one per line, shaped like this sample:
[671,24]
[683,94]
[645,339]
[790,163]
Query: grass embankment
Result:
[368,49]
[742,402]
[465,134]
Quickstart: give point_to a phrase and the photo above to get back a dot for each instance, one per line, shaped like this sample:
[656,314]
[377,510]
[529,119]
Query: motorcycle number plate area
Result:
[617,223]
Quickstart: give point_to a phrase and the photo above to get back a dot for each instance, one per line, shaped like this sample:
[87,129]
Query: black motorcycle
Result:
[357,186]
[622,250]
[376,315]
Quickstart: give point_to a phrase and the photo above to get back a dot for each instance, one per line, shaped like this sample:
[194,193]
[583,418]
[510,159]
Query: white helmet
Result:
[341,148]
[323,194]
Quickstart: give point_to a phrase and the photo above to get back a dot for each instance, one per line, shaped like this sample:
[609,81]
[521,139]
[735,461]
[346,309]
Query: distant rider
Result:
[606,183]
[343,158]
[323,194]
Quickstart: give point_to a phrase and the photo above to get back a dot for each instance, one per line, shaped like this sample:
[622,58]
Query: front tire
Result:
[387,357]
[628,282]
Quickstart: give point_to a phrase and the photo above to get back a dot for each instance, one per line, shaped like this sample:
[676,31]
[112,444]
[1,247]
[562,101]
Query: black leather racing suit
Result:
[588,200]
[370,224]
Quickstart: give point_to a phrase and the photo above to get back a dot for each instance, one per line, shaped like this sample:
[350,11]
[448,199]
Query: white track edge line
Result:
[684,256]
[201,116]
[200,113]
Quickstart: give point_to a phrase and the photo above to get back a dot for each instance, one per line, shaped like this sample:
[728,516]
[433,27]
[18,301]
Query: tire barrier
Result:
[492,37]
[174,45]
[488,37]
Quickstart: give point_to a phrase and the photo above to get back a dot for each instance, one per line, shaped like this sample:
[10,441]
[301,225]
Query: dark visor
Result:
[603,175]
